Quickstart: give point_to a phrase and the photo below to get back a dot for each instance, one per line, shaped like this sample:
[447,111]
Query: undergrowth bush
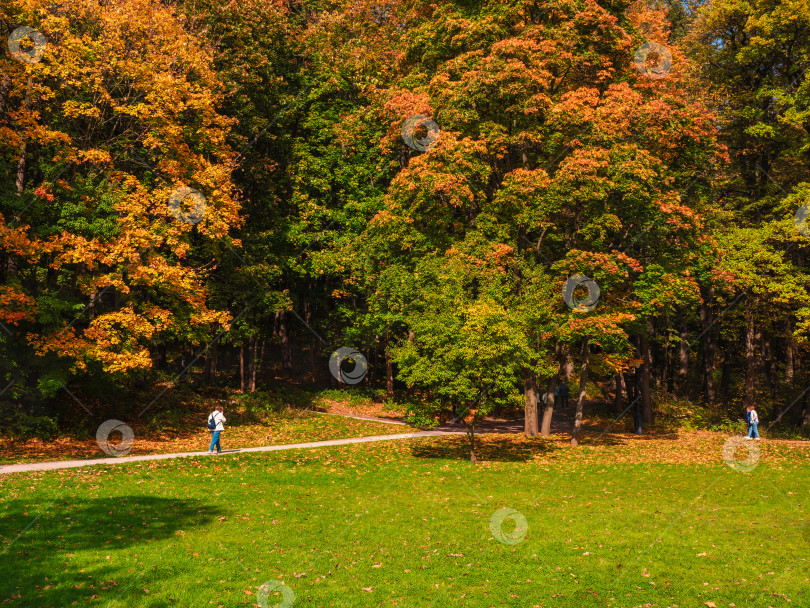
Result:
[23,426]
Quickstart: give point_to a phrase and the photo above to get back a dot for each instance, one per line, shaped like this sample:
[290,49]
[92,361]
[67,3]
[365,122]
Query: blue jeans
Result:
[215,442]
[752,430]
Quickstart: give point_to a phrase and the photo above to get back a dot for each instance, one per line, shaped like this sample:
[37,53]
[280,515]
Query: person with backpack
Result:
[216,425]
[753,421]
[562,393]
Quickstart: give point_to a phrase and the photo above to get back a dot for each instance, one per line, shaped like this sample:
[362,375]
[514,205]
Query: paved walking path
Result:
[71,464]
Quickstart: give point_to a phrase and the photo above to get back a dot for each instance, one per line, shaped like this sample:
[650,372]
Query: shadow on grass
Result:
[515,448]
[41,546]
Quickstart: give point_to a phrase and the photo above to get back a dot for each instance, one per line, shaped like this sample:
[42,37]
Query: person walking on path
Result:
[753,422]
[217,420]
[562,393]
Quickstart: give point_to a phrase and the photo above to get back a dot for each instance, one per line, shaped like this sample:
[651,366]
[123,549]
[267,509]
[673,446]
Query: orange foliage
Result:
[169,109]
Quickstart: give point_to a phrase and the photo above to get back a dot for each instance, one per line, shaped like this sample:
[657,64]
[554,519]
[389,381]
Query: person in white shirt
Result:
[753,422]
[219,419]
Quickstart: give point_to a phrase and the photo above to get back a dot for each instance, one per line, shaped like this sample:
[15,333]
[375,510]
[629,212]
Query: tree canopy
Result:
[418,180]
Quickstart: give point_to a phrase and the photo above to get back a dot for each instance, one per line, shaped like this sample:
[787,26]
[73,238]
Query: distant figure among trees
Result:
[562,394]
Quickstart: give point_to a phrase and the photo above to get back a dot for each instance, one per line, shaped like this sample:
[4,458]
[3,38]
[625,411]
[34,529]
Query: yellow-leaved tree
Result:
[115,187]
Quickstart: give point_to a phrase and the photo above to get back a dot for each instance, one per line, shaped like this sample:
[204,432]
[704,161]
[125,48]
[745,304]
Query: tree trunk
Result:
[313,359]
[389,372]
[5,87]
[805,416]
[646,371]
[568,366]
[767,361]
[683,368]
[251,381]
[211,361]
[313,340]
[20,181]
[260,360]
[583,380]
[232,354]
[530,392]
[317,349]
[286,351]
[548,411]
[725,374]
[789,364]
[766,364]
[242,366]
[750,359]
[630,385]
[162,362]
[52,278]
[709,346]
[471,437]
[618,387]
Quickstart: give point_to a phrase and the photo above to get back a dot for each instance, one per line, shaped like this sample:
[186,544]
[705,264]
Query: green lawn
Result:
[406,524]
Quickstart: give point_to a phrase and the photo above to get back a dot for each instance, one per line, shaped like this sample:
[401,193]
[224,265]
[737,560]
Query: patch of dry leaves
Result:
[692,448]
[364,408]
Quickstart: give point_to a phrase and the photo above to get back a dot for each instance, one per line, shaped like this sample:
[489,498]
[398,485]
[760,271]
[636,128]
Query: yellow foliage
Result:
[140,102]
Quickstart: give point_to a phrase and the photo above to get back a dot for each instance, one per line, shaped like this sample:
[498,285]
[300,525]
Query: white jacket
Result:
[754,416]
[220,418]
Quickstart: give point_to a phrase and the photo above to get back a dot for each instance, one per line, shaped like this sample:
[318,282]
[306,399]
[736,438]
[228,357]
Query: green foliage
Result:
[278,399]
[466,343]
[166,421]
[22,425]
[555,157]
[421,412]
[353,395]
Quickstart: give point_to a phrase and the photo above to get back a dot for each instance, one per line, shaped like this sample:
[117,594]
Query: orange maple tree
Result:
[118,112]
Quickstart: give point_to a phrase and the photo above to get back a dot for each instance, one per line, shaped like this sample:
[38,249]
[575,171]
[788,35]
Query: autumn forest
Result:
[463,203]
